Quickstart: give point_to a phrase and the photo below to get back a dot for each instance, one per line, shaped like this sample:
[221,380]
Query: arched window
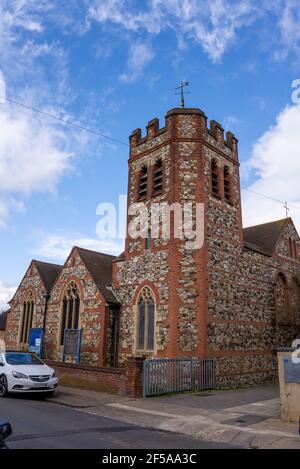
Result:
[143,182]
[145,320]
[295,300]
[157,177]
[27,318]
[282,300]
[293,248]
[148,240]
[70,310]
[227,185]
[214,178]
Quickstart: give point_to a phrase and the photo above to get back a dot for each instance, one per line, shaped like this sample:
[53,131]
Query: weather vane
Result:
[181,87]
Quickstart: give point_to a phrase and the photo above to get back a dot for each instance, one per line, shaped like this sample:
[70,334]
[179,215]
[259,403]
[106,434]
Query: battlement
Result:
[190,124]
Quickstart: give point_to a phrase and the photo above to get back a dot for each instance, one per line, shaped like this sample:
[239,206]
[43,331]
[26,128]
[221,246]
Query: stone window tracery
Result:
[145,320]
[27,318]
[295,300]
[70,310]
[282,300]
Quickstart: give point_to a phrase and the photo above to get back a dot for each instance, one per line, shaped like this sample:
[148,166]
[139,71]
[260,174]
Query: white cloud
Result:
[24,14]
[6,294]
[230,122]
[36,159]
[289,28]
[138,58]
[34,154]
[213,24]
[275,163]
[2,88]
[57,246]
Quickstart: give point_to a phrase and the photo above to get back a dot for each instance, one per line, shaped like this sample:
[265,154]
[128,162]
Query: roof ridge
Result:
[95,252]
[268,223]
[47,263]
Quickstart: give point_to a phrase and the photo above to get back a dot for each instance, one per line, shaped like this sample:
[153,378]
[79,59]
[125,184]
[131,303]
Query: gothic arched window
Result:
[145,320]
[295,300]
[282,300]
[70,310]
[27,318]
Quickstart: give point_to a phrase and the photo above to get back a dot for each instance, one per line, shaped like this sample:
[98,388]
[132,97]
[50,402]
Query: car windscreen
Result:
[22,359]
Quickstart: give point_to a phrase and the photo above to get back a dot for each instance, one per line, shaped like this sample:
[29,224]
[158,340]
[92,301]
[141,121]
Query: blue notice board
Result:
[36,340]
[291,370]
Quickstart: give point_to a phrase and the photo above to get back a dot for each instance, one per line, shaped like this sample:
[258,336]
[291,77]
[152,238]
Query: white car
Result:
[25,372]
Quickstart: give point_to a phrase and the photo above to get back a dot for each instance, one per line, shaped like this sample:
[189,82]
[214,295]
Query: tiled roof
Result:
[263,238]
[99,266]
[120,258]
[48,273]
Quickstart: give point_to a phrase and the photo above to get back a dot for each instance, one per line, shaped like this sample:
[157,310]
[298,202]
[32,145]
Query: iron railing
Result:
[168,375]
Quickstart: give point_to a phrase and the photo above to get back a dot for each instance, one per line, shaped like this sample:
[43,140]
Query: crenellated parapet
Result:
[184,124]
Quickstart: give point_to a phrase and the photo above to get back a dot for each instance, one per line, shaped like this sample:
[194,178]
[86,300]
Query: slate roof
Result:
[99,266]
[263,238]
[120,258]
[48,273]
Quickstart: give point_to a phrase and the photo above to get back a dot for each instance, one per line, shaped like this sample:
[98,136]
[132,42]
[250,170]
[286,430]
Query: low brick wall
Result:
[124,381]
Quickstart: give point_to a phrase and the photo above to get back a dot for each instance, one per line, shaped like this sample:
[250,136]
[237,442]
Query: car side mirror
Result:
[5,429]
[1,364]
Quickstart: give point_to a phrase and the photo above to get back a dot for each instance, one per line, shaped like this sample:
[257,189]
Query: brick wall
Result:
[219,301]
[123,381]
[30,282]
[92,314]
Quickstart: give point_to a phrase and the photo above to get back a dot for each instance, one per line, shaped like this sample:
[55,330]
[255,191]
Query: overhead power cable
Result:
[64,121]
[271,198]
[100,134]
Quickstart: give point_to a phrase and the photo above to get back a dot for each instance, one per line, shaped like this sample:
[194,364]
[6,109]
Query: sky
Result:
[111,66]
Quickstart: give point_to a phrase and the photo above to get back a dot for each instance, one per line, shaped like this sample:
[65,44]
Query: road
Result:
[41,424]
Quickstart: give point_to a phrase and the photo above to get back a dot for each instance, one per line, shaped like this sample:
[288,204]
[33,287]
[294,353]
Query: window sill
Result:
[145,352]
[156,193]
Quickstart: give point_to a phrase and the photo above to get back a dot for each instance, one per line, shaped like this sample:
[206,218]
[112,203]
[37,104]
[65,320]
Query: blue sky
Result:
[112,66]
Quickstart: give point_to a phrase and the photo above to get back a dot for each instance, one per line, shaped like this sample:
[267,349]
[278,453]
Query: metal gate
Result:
[166,375]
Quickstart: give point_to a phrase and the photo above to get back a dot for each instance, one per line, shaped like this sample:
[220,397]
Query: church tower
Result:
[162,282]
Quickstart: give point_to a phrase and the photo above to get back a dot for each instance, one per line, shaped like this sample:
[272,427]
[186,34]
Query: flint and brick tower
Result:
[182,162]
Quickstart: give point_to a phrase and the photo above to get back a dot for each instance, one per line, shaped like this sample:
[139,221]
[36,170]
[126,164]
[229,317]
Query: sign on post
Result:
[291,370]
[72,344]
[36,340]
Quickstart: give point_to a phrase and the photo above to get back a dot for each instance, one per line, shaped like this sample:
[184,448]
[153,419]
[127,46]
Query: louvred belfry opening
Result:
[227,188]
[143,182]
[214,178]
[158,177]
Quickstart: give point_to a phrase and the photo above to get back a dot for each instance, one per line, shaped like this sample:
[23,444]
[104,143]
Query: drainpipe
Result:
[46,297]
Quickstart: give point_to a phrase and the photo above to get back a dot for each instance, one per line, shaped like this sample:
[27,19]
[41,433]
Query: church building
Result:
[236,298]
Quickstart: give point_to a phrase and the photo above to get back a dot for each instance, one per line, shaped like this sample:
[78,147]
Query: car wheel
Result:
[3,386]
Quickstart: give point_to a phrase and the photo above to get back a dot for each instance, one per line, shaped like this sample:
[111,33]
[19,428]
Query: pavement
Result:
[40,424]
[246,418]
